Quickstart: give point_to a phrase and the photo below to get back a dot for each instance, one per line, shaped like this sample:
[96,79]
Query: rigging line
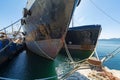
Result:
[10,25]
[105,12]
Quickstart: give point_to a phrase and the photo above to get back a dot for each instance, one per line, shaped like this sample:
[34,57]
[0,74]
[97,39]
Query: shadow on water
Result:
[28,66]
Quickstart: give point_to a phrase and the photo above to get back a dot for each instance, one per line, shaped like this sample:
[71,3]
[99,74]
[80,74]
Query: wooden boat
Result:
[45,25]
[81,41]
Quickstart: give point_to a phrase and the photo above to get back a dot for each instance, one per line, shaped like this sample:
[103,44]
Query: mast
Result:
[72,20]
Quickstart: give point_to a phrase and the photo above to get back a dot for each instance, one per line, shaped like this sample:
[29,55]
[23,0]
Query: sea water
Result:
[106,47]
[29,66]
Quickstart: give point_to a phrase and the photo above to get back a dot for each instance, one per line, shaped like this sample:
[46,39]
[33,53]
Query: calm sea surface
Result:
[28,66]
[106,47]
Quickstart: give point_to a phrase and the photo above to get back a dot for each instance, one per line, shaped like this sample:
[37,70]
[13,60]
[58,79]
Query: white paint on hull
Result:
[29,4]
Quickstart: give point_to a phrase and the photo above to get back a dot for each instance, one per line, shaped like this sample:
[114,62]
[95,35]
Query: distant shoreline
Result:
[111,39]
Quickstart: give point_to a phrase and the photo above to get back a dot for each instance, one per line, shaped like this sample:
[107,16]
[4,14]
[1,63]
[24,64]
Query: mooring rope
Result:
[67,74]
[109,56]
[44,53]
[96,54]
[3,78]
[68,52]
[48,78]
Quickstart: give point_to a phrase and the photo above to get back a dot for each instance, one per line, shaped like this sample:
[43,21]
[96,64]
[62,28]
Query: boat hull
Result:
[40,48]
[7,53]
[46,24]
[81,41]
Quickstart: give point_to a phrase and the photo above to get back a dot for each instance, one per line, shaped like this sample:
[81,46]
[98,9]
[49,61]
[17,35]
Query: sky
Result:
[10,11]
[85,14]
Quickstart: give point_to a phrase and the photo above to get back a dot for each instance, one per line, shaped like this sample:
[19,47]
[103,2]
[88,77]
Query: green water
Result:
[29,66]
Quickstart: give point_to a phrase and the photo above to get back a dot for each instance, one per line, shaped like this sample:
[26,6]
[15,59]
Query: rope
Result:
[105,13]
[44,54]
[76,64]
[96,54]
[77,67]
[47,78]
[7,78]
[11,24]
[67,51]
[67,74]
[5,47]
[35,79]
[107,57]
